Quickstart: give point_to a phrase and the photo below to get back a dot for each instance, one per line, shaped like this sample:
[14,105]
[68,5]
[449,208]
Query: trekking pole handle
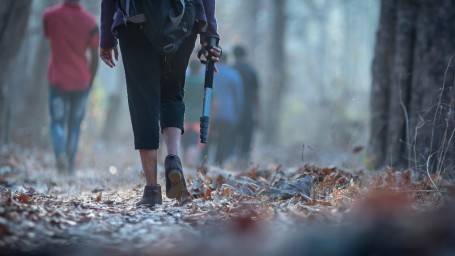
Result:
[208,86]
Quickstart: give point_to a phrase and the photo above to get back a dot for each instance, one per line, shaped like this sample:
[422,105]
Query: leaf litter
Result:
[257,211]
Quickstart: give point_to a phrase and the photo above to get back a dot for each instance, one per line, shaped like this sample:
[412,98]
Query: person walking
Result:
[155,89]
[227,107]
[72,31]
[194,91]
[251,105]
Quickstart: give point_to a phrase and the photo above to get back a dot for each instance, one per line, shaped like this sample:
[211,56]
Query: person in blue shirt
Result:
[227,111]
[251,107]
[194,93]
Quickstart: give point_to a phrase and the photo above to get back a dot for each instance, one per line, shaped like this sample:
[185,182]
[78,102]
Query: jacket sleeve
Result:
[212,26]
[108,8]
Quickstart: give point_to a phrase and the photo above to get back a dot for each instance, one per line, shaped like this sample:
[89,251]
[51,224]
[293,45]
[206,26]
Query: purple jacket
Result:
[111,17]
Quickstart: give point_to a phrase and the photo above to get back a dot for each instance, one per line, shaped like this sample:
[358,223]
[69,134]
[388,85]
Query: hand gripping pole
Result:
[208,86]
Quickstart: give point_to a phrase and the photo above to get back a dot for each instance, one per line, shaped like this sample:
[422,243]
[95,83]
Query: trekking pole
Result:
[208,86]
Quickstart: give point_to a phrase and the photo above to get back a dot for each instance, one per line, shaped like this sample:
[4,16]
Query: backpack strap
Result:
[177,18]
[125,10]
[128,2]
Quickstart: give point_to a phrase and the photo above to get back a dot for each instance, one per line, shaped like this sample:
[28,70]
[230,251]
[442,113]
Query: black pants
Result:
[245,138]
[222,140]
[155,89]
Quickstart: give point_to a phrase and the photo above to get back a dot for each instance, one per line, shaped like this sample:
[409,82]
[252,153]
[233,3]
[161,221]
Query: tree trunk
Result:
[384,52]
[31,123]
[396,147]
[13,22]
[412,94]
[251,9]
[277,78]
[432,99]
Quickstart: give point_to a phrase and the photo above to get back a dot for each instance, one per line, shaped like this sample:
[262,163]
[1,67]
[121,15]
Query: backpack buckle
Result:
[169,48]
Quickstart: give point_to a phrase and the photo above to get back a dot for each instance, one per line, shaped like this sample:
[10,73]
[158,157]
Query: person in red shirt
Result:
[72,32]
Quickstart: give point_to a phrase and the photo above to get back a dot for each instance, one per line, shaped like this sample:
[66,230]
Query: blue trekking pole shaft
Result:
[208,87]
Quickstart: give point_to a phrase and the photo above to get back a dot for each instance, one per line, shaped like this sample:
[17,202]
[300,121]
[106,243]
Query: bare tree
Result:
[248,11]
[31,122]
[277,79]
[13,22]
[412,94]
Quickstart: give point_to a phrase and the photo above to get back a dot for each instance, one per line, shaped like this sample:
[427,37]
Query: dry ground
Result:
[261,210]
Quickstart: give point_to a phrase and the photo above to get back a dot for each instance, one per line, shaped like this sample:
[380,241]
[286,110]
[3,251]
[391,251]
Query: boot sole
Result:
[176,179]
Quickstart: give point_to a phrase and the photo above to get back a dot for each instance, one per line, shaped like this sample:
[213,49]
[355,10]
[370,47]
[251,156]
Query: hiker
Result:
[155,88]
[72,31]
[193,106]
[227,106]
[251,106]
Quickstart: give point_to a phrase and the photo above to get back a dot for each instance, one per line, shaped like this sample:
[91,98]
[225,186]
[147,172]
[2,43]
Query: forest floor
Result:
[271,210]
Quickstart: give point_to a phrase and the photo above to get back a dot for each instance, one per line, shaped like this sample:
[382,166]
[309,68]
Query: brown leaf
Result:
[23,198]
[391,179]
[220,180]
[208,193]
[99,197]
[226,191]
[252,173]
[320,202]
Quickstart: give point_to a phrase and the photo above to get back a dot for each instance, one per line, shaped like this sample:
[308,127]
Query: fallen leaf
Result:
[99,196]
[23,198]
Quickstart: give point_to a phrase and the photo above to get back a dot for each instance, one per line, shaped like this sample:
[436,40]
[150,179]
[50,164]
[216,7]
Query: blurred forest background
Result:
[357,132]
[315,61]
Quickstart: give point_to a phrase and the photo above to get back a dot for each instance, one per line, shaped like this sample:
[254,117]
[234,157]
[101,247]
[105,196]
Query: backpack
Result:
[167,22]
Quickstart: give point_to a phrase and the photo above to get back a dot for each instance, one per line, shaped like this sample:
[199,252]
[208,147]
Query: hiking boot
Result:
[151,196]
[175,181]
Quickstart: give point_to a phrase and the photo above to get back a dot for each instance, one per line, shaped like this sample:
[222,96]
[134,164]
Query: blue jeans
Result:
[67,109]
